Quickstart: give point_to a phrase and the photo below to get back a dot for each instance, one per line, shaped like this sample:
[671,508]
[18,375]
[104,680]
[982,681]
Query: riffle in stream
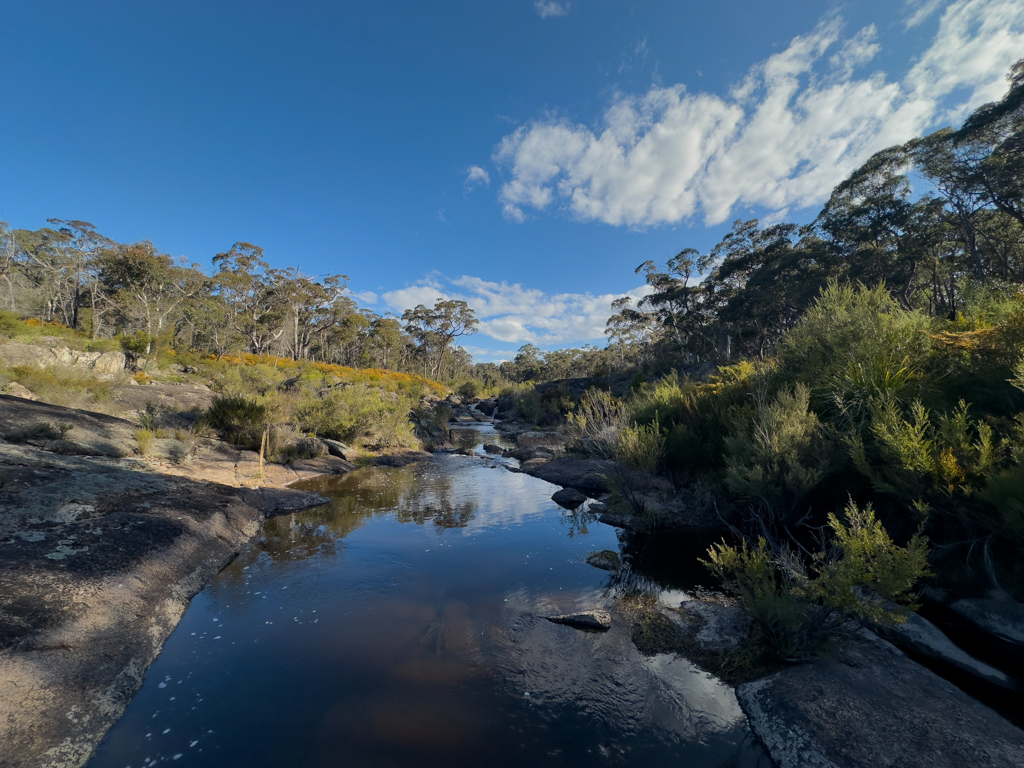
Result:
[402,625]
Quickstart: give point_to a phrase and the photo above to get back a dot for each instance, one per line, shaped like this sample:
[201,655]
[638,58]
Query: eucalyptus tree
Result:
[245,282]
[147,286]
[436,328]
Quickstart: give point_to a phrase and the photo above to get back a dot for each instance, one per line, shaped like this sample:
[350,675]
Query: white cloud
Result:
[516,315]
[783,137]
[547,8]
[364,297]
[920,11]
[475,176]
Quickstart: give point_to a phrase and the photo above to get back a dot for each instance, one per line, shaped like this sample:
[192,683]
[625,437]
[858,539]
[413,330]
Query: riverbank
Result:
[100,555]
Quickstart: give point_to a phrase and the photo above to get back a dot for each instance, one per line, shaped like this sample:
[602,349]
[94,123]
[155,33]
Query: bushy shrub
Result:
[144,439]
[856,345]
[594,426]
[357,414]
[639,451]
[469,389]
[797,606]
[696,416]
[911,458]
[238,420]
[776,457]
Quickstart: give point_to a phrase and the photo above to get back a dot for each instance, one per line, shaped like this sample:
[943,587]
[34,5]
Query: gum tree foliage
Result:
[436,328]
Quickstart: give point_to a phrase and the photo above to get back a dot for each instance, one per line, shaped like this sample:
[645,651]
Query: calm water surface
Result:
[400,626]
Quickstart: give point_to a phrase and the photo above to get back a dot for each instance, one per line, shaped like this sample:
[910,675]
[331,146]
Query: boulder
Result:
[606,560]
[491,448]
[589,475]
[569,498]
[15,354]
[870,705]
[531,464]
[339,449]
[14,389]
[596,619]
[109,362]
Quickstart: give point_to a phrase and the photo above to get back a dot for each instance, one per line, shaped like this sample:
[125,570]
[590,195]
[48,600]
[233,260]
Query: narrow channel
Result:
[402,624]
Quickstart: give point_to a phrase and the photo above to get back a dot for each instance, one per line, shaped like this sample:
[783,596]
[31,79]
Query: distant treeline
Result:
[71,274]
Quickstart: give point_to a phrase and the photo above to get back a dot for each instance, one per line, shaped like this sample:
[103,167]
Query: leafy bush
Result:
[144,438]
[639,451]
[863,577]
[775,458]
[856,345]
[469,389]
[238,420]
[594,426]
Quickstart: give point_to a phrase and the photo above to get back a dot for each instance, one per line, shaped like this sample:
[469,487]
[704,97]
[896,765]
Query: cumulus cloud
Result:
[513,314]
[475,176]
[548,8]
[364,297]
[792,129]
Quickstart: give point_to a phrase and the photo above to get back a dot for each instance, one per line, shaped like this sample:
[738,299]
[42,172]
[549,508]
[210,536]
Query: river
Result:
[402,625]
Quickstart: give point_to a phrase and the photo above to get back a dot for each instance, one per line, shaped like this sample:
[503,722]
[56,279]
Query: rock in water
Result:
[597,619]
[569,498]
[606,560]
[492,448]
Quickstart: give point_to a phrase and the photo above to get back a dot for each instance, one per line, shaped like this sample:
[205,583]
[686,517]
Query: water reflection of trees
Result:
[577,519]
[420,493]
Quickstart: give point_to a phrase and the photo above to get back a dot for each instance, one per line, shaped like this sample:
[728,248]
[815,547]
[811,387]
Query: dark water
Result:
[400,626]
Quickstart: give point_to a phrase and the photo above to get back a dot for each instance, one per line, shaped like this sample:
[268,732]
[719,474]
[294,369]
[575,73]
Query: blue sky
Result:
[525,156]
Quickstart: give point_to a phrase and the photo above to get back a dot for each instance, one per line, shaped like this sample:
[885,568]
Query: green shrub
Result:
[863,577]
[144,439]
[238,420]
[856,345]
[469,389]
[594,426]
[639,451]
[777,457]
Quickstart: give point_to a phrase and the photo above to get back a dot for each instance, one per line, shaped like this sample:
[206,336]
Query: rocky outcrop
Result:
[48,351]
[400,459]
[100,559]
[999,615]
[596,619]
[587,475]
[918,635]
[870,705]
[719,628]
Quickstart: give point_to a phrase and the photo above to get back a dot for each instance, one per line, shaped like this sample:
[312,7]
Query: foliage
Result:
[594,425]
[776,457]
[639,453]
[239,420]
[798,606]
[144,439]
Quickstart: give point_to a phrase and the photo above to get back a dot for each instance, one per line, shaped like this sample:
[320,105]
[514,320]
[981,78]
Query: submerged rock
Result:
[606,560]
[569,498]
[596,619]
[870,705]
